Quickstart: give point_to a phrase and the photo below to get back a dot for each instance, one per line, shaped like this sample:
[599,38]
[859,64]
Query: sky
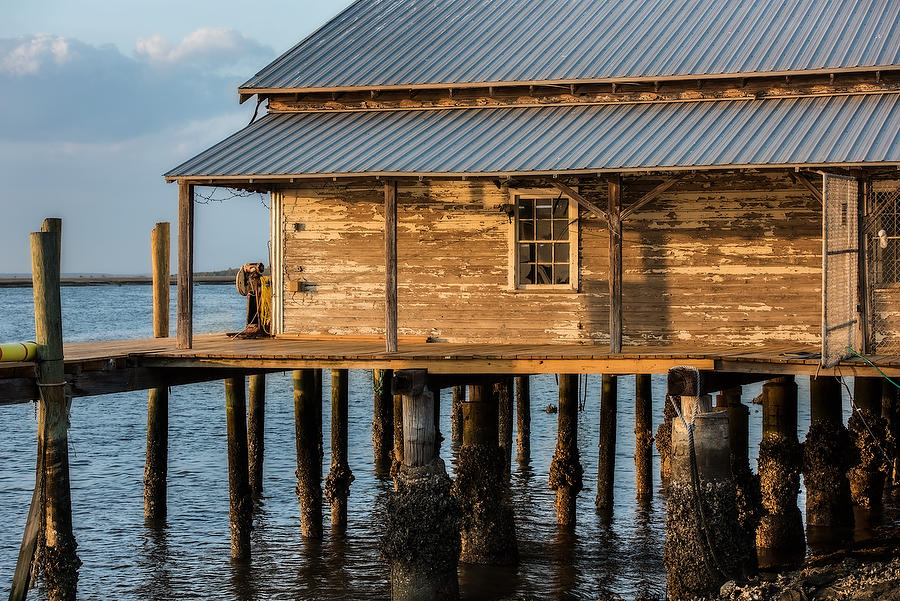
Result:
[101,97]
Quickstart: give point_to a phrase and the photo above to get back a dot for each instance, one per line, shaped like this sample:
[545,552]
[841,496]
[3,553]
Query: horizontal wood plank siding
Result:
[717,259]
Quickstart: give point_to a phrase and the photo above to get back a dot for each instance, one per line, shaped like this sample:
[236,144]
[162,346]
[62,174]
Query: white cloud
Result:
[26,55]
[205,46]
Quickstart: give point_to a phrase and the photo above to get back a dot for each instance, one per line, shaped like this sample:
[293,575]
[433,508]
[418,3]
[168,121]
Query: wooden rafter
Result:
[804,181]
[582,201]
[650,196]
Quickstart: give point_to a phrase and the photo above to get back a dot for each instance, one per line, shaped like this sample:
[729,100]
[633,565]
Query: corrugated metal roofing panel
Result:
[418,42]
[793,131]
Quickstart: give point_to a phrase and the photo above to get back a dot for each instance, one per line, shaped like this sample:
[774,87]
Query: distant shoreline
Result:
[114,281]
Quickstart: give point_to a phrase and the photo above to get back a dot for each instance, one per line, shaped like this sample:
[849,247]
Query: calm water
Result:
[190,558]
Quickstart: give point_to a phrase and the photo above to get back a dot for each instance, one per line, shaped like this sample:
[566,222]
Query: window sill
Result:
[546,289]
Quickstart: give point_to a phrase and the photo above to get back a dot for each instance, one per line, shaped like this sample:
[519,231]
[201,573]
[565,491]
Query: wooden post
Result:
[241,505]
[390,266]
[868,476]
[565,469]
[256,428]
[643,437]
[308,432]
[398,437]
[185,265]
[503,391]
[438,437]
[606,467]
[156,463]
[488,534]
[337,484]
[456,426]
[382,422]
[423,553]
[615,263]
[523,419]
[825,400]
[59,560]
[867,394]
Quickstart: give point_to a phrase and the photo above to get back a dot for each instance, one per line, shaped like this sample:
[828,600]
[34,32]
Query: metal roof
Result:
[400,43]
[857,129]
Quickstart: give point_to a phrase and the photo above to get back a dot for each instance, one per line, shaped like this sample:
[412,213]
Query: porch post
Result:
[185,265]
[390,266]
[615,263]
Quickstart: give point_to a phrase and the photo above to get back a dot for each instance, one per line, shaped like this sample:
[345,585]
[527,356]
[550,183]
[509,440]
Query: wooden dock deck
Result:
[123,365]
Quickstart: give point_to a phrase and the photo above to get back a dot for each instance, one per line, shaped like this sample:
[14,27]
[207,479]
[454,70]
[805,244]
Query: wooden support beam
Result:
[815,190]
[337,483]
[650,196]
[581,200]
[256,427]
[606,463]
[689,381]
[419,434]
[390,266]
[185,265]
[523,419]
[241,504]
[308,432]
[61,574]
[615,264]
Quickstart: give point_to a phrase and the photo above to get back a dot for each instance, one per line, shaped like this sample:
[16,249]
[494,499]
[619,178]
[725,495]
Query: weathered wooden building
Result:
[582,172]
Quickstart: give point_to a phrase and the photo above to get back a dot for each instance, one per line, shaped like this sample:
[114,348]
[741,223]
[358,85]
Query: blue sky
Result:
[100,97]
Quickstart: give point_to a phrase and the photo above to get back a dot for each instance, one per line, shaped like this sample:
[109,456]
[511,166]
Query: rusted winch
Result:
[251,283]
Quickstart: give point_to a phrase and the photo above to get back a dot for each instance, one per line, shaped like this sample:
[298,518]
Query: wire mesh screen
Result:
[883,242]
[840,256]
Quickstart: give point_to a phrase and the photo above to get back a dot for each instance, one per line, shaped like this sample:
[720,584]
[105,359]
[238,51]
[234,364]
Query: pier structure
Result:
[617,213]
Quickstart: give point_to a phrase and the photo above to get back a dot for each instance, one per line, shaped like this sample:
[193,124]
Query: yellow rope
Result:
[265,303]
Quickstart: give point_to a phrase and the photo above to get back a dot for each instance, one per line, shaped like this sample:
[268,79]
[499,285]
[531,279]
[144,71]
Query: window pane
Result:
[526,208]
[560,274]
[526,230]
[526,273]
[543,274]
[542,229]
[562,253]
[542,209]
[526,253]
[561,208]
[545,253]
[560,229]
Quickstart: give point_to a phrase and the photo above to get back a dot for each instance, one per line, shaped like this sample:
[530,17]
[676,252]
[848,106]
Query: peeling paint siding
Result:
[720,259]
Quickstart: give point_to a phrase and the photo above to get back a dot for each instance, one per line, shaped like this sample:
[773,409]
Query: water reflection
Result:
[154,564]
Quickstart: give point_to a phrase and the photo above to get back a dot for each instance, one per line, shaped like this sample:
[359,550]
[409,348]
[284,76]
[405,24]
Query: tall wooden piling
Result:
[503,392]
[890,411]
[156,465]
[487,529]
[241,505]
[780,538]
[397,460]
[826,460]
[868,433]
[664,441]
[256,430]
[705,545]
[185,325]
[456,429]
[308,432]
[606,467]
[523,419]
[421,541]
[565,469]
[643,437]
[382,422]
[337,484]
[50,518]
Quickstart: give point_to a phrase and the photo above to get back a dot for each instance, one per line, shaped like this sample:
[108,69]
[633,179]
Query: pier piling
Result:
[156,465]
[780,538]
[565,469]
[664,441]
[868,433]
[382,422]
[643,437]
[503,391]
[482,486]
[422,539]
[308,431]
[337,484]
[523,419]
[704,545]
[256,429]
[606,466]
[397,455]
[826,459]
[458,398]
[241,504]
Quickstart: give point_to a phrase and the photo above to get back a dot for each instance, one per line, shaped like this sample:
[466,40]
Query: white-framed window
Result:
[544,241]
